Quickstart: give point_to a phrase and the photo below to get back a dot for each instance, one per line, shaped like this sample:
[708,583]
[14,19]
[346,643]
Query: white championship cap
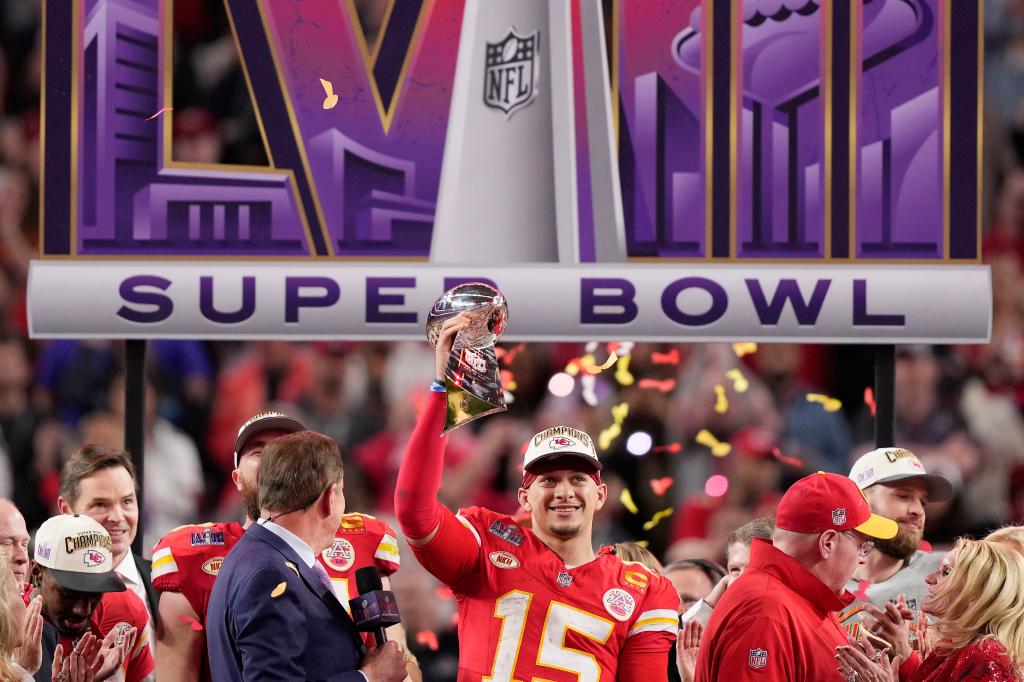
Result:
[561,441]
[265,421]
[888,465]
[76,550]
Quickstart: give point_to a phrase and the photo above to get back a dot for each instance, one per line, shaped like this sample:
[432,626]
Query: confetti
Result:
[660,485]
[716,486]
[721,402]
[739,382]
[428,639]
[622,373]
[626,498]
[664,385]
[508,381]
[164,110]
[656,519]
[830,404]
[791,461]
[444,592]
[588,384]
[604,441]
[671,448]
[189,620]
[619,413]
[508,355]
[331,100]
[641,543]
[669,358]
[708,440]
[862,590]
[869,400]
[742,349]
[925,546]
[279,590]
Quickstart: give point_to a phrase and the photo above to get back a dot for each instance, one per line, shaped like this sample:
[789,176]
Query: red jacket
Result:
[775,623]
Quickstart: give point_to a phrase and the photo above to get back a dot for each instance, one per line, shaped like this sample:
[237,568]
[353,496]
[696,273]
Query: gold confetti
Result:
[641,543]
[708,440]
[292,566]
[742,349]
[331,100]
[656,519]
[279,590]
[622,373]
[830,404]
[739,382]
[721,402]
[612,359]
[626,498]
[604,441]
[165,109]
[620,412]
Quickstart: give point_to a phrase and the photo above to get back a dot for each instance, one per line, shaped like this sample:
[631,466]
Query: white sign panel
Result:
[356,300]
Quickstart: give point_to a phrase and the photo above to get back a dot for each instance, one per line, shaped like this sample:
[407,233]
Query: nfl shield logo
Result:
[758,658]
[838,517]
[564,579]
[511,72]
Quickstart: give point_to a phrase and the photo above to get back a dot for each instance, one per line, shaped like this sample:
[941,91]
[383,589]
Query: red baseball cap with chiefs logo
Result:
[824,501]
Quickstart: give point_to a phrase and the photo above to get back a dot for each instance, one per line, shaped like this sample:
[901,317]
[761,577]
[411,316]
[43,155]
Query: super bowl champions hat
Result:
[824,501]
[76,550]
[558,442]
[265,421]
[888,465]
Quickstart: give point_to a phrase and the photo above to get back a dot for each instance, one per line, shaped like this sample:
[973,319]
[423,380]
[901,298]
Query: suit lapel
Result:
[311,579]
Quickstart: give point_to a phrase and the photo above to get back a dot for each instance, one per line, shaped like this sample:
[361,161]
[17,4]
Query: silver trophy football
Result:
[472,381]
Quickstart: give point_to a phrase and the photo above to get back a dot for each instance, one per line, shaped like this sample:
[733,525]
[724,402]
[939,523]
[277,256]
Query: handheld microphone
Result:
[375,608]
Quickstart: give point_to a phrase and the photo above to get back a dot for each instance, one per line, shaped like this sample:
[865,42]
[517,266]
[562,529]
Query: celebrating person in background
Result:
[534,602]
[976,598]
[777,621]
[896,486]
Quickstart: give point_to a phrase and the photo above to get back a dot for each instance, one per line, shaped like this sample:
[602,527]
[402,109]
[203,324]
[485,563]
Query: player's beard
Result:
[902,546]
[565,532]
[251,498]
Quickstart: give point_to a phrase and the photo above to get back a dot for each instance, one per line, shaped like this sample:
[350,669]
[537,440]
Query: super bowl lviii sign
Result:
[664,169]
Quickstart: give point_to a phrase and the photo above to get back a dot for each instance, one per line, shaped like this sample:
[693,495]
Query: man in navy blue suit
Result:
[273,614]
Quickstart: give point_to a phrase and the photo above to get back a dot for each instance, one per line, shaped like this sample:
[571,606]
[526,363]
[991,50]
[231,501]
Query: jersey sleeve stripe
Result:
[655,625]
[162,554]
[655,619]
[465,522]
[165,568]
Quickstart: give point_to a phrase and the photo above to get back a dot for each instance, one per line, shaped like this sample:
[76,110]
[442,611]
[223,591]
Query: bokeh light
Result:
[561,384]
[639,443]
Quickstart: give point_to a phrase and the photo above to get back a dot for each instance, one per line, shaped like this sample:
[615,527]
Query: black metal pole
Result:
[134,419]
[885,395]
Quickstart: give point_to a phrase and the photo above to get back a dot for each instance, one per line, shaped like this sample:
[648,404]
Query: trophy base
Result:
[464,407]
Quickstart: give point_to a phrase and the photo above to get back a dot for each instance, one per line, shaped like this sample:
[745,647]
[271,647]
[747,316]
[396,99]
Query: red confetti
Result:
[791,461]
[189,620]
[669,358]
[869,400]
[508,355]
[925,546]
[508,380]
[443,592]
[660,485]
[159,112]
[428,639]
[862,590]
[672,448]
[665,386]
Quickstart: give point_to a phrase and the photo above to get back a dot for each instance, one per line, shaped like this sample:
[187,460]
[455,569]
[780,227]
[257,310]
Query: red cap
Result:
[823,501]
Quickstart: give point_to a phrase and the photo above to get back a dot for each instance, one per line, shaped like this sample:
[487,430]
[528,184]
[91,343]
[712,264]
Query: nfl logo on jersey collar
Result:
[563,579]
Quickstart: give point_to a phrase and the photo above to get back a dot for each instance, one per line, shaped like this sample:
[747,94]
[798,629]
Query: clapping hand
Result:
[862,662]
[892,625]
[30,654]
[687,646]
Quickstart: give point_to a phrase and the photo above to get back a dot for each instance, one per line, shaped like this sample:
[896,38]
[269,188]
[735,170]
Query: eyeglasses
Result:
[864,548]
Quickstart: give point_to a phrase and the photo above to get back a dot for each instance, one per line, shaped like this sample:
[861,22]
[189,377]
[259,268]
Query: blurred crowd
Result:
[961,409]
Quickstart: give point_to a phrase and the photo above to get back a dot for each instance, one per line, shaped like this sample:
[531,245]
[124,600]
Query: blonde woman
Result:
[13,617]
[976,597]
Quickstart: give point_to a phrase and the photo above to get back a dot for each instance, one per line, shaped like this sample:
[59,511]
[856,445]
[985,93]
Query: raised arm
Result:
[180,646]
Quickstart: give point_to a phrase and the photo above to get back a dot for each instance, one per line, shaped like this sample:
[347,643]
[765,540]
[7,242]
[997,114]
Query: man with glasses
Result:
[777,621]
[890,584]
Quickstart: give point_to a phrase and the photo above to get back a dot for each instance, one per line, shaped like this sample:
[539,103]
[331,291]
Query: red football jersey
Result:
[361,540]
[187,560]
[122,610]
[524,615]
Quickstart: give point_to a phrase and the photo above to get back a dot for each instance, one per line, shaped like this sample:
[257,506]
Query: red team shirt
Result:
[122,610]
[188,559]
[524,615]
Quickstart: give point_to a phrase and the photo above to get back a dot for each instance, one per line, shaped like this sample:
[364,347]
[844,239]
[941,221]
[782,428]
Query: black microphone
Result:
[375,608]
